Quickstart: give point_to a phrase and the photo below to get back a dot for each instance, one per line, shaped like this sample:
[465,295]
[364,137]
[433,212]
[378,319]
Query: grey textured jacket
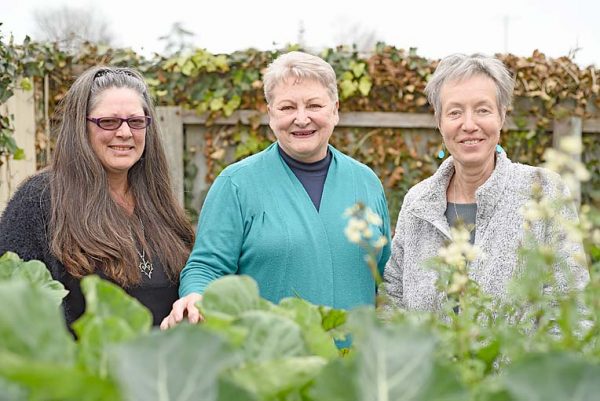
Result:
[422,229]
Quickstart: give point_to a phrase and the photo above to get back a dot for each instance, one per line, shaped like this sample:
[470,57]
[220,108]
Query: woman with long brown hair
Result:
[105,205]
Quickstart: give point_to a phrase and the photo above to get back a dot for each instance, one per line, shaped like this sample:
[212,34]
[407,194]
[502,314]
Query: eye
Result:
[454,113]
[137,122]
[483,110]
[314,106]
[286,108]
[109,122]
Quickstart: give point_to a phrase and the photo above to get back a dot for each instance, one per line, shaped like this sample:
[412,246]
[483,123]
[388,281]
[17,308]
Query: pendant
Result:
[146,267]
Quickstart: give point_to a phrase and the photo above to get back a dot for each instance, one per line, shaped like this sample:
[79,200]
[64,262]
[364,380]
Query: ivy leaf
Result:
[19,154]
[364,85]
[216,104]
[357,68]
[348,88]
[26,84]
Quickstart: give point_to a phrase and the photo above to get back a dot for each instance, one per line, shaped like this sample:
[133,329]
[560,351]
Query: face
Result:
[302,116]
[118,150]
[470,120]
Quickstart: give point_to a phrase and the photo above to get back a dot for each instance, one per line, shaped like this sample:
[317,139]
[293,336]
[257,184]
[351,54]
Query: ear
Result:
[269,112]
[336,113]
[502,118]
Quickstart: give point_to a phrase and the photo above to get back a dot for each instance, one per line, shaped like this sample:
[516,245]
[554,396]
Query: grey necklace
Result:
[145,266]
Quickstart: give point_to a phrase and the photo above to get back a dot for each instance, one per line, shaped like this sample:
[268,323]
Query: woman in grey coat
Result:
[477,185]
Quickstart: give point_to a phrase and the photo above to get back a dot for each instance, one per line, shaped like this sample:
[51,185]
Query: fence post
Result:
[21,107]
[564,128]
[171,127]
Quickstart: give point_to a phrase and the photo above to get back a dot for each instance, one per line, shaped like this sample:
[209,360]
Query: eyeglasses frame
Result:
[123,120]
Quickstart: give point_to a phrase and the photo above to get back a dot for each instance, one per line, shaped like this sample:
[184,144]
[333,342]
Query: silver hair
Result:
[461,66]
[114,77]
[299,66]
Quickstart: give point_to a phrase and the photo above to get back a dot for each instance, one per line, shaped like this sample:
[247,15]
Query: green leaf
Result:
[104,299]
[26,84]
[274,379]
[364,85]
[230,295]
[11,391]
[357,68]
[270,336]
[336,381]
[332,318]
[553,376]
[19,154]
[111,316]
[34,272]
[308,317]
[32,326]
[55,381]
[178,364]
[216,104]
[348,88]
[397,362]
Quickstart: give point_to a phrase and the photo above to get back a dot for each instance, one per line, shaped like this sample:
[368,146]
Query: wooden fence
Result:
[185,128]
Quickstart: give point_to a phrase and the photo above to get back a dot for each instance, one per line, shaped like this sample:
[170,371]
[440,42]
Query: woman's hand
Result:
[182,307]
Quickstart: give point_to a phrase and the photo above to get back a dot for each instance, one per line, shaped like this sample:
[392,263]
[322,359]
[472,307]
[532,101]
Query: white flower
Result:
[352,234]
[380,242]
[571,145]
[373,218]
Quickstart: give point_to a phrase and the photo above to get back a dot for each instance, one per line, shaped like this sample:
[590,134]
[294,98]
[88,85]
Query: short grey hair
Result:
[461,66]
[299,66]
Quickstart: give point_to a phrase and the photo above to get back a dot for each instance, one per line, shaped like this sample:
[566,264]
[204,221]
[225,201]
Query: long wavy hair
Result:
[89,231]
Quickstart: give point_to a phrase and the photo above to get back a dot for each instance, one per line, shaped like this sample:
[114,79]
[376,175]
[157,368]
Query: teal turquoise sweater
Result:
[258,220]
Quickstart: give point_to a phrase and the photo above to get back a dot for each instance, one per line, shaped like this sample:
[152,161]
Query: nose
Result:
[302,119]
[124,131]
[469,124]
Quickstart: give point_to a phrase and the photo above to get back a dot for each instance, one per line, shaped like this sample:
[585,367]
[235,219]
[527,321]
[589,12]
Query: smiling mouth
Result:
[121,147]
[471,141]
[303,133]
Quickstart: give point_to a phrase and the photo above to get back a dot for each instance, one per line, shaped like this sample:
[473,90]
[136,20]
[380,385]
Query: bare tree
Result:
[72,26]
[178,39]
[353,33]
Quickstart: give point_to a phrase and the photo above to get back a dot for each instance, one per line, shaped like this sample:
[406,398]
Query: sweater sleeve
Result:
[23,223]
[394,269]
[385,217]
[570,270]
[219,238]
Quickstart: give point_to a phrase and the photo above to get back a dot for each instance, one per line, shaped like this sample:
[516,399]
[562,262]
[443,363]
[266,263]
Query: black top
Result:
[24,231]
[466,212]
[311,175]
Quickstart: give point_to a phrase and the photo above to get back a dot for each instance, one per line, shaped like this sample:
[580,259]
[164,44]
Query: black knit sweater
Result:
[24,230]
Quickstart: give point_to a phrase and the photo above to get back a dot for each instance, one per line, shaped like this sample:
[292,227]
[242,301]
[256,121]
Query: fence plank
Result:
[21,106]
[171,126]
[570,127]
[372,119]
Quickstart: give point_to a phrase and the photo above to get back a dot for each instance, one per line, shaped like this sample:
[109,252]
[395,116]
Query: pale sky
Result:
[435,27]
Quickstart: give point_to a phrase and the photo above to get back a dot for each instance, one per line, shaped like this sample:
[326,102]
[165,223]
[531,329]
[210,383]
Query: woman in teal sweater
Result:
[278,216]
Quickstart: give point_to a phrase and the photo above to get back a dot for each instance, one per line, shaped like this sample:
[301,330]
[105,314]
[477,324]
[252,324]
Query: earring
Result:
[441,153]
[499,149]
